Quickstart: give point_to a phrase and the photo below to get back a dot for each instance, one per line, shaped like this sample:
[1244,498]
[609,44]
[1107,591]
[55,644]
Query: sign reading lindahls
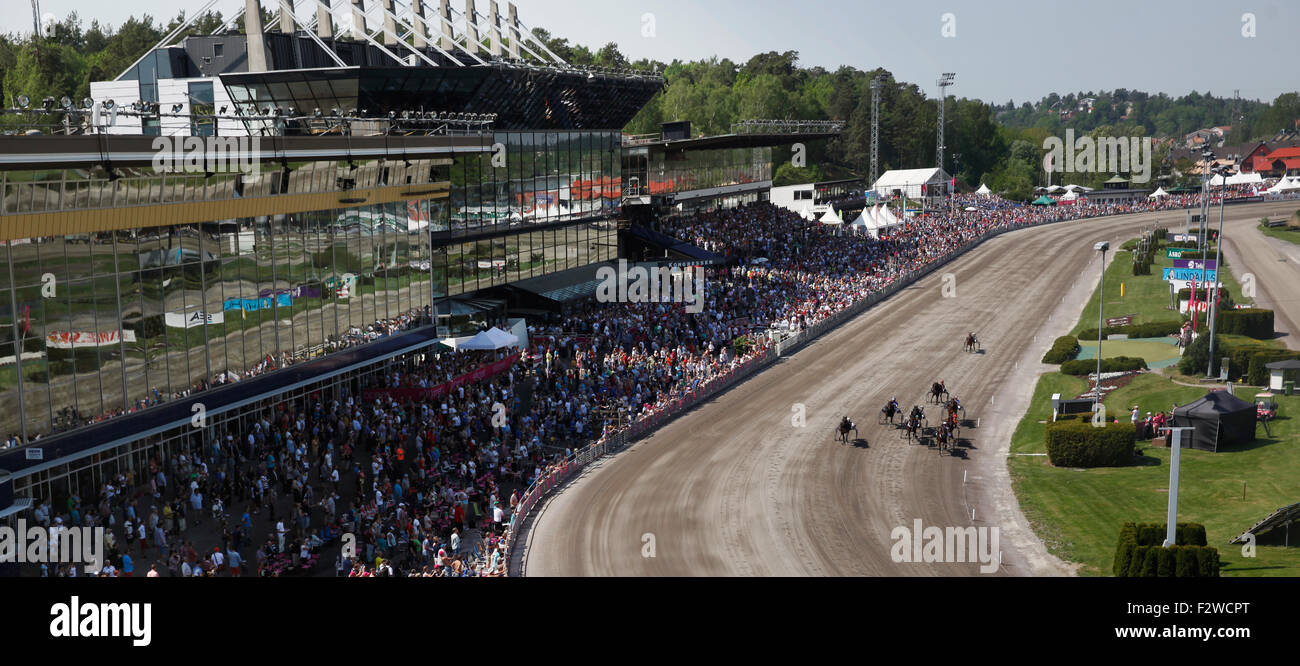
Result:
[86,339]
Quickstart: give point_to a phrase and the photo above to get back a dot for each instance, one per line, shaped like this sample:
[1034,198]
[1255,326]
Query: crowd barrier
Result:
[557,474]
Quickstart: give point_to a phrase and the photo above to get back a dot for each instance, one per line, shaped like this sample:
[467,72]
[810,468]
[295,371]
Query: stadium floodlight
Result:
[47,103]
[177,108]
[87,103]
[65,102]
[24,101]
[109,105]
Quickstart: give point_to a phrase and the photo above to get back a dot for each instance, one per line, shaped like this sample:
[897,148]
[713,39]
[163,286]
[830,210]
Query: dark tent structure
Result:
[1220,419]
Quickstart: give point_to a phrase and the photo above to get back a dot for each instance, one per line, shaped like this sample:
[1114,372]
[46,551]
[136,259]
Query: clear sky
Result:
[1001,49]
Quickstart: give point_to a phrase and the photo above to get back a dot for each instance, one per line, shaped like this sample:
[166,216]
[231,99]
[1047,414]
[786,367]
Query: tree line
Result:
[996,144]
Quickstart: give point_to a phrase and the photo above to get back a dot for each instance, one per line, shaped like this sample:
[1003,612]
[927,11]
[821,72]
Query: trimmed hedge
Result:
[1258,375]
[1139,554]
[1082,367]
[1065,348]
[1253,322]
[1076,443]
[1155,329]
[1225,296]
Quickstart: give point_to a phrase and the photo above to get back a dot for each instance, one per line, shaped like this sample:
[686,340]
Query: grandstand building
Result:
[417,176]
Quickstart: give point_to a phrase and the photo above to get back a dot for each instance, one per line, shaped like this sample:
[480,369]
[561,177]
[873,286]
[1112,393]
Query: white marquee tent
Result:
[493,338]
[1286,185]
[831,217]
[1160,192]
[983,190]
[910,182]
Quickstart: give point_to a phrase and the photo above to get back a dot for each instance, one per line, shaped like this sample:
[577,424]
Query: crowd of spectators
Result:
[427,486]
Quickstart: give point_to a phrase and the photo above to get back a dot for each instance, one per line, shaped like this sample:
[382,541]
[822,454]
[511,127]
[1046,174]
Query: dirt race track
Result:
[732,488]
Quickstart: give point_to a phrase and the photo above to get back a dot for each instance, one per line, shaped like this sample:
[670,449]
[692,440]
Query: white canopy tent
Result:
[1069,196]
[831,217]
[910,182]
[1245,179]
[1285,185]
[1160,192]
[983,190]
[493,338]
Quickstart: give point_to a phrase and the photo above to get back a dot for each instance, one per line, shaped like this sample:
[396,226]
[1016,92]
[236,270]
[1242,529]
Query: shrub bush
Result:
[1155,329]
[1063,349]
[1252,322]
[1079,444]
[1196,355]
[1258,374]
[1080,367]
[1140,553]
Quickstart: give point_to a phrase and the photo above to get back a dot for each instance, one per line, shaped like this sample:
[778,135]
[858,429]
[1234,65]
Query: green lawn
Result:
[1078,513]
[1158,353]
[1146,296]
[1288,234]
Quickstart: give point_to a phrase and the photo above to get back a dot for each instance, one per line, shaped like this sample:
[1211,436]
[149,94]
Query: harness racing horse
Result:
[972,343]
[944,436]
[889,411]
[915,423]
[938,393]
[953,406]
[842,431]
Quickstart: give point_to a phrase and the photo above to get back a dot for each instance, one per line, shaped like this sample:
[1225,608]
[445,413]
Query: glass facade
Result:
[683,171]
[115,321]
[94,325]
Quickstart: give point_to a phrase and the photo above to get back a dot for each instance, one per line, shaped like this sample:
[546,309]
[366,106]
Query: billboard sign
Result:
[1189,274]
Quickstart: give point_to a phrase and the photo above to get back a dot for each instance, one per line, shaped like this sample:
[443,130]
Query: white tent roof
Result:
[1053,188]
[493,338]
[1160,192]
[984,189]
[1245,178]
[1286,185]
[1070,196]
[831,217]
[898,178]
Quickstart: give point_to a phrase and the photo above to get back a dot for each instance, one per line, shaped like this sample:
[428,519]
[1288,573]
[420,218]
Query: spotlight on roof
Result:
[109,105]
[66,102]
[87,103]
[24,101]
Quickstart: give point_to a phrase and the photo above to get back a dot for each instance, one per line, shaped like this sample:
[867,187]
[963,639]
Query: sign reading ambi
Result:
[653,284]
[1105,154]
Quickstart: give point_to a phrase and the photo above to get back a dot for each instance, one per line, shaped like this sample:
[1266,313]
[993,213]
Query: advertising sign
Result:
[1188,274]
[192,319]
[84,339]
[1196,264]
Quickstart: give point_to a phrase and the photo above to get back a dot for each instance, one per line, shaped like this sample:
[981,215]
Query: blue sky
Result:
[1002,49]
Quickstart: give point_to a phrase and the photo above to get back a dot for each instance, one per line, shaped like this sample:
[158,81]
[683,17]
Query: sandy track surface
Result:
[732,488]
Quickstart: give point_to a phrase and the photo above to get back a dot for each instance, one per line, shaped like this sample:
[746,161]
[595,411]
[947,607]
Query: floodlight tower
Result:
[876,84]
[944,81]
